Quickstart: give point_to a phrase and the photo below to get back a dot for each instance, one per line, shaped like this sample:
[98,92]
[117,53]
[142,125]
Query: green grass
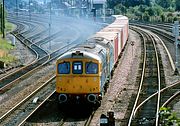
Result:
[7,59]
[5,46]
[9,26]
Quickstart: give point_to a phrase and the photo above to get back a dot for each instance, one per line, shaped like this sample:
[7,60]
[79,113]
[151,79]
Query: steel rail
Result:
[167,51]
[24,66]
[2,89]
[23,121]
[141,82]
[25,99]
[157,31]
[171,98]
[50,56]
[88,121]
[140,85]
[162,90]
[159,81]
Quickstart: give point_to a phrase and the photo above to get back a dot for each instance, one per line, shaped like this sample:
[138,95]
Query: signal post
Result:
[176,35]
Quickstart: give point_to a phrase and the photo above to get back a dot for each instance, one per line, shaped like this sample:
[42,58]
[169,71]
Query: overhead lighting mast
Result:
[3,20]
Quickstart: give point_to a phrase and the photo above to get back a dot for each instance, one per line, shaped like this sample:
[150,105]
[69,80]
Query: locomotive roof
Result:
[100,40]
[84,54]
[88,50]
[91,47]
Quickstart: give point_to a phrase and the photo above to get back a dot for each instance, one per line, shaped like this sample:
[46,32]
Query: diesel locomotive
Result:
[82,72]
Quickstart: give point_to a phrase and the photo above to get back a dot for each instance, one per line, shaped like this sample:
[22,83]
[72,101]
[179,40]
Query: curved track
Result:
[151,82]
[42,56]
[21,114]
[167,37]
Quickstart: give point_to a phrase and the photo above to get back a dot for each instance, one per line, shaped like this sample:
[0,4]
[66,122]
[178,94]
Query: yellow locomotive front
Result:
[78,77]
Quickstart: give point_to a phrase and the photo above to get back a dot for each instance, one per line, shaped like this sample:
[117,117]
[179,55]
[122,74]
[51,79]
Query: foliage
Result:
[7,59]
[128,3]
[146,16]
[9,26]
[177,3]
[147,10]
[120,9]
[5,46]
[165,3]
[168,118]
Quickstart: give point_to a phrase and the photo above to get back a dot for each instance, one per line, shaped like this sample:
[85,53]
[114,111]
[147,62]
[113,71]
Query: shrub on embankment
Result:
[5,47]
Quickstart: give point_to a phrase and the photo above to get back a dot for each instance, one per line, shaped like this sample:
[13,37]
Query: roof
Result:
[86,54]
[107,35]
[99,1]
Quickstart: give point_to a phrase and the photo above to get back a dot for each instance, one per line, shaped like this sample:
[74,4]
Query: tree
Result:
[177,2]
[151,11]
[159,10]
[165,3]
[146,16]
[142,8]
[120,9]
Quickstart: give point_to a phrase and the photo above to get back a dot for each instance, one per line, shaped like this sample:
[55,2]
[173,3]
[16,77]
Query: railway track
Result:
[11,118]
[151,81]
[168,39]
[23,72]
[20,111]
[37,29]
[168,95]
[78,115]
[42,58]
[158,31]
[24,109]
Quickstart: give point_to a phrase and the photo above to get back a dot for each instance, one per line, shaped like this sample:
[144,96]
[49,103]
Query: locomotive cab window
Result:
[77,67]
[91,68]
[64,68]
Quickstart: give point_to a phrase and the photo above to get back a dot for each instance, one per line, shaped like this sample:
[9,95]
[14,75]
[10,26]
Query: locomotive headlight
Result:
[95,78]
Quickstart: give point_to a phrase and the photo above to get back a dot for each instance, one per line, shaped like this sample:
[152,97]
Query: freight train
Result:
[82,72]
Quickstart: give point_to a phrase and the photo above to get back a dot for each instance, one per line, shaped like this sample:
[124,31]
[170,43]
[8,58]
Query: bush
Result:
[168,118]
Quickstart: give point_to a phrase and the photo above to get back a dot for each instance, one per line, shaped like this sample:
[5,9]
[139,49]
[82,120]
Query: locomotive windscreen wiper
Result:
[89,63]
